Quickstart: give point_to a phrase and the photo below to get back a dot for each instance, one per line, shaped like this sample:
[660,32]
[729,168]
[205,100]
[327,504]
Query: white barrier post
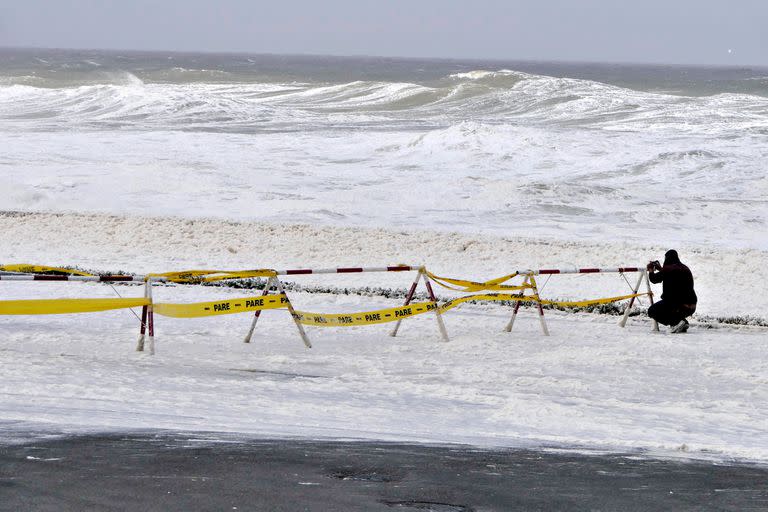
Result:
[541,309]
[508,328]
[650,297]
[438,315]
[623,320]
[143,327]
[408,298]
[151,318]
[258,313]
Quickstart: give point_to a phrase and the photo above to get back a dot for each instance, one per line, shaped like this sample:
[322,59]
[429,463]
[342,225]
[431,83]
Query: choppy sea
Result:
[569,151]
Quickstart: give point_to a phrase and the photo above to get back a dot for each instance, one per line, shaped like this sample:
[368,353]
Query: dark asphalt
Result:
[170,472]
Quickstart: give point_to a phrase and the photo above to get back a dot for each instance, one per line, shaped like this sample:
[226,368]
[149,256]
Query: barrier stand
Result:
[529,282]
[650,298]
[143,327]
[218,275]
[256,315]
[422,274]
[408,298]
[624,318]
[536,297]
[438,314]
[508,328]
[151,318]
[147,320]
[643,277]
[274,281]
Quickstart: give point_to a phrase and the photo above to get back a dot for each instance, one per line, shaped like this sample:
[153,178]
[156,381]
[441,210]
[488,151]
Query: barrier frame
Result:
[421,274]
[147,331]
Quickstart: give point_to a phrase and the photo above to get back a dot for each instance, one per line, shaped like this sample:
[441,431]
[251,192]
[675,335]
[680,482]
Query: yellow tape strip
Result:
[65,306]
[221,307]
[463,285]
[511,297]
[393,314]
[209,276]
[380,316]
[37,269]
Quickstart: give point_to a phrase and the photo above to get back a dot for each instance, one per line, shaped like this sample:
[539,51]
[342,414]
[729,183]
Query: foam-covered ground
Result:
[589,384]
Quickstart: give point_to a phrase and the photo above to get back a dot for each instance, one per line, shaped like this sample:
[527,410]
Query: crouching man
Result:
[678,299]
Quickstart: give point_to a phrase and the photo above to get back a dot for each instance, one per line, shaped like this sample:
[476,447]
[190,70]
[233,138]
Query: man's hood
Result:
[671,257]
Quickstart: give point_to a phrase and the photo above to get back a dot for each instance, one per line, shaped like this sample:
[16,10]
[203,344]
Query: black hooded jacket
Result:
[677,279]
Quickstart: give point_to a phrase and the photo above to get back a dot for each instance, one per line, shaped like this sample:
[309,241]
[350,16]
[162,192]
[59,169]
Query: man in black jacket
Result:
[678,299]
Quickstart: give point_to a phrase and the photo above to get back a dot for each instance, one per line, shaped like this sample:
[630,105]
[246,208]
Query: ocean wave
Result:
[493,97]
[480,74]
[122,78]
[36,81]
[358,94]
[68,80]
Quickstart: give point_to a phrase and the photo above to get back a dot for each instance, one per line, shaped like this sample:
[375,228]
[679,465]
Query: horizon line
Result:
[397,57]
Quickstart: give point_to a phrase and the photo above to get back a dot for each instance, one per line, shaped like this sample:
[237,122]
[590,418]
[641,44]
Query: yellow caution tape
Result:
[394,314]
[26,268]
[379,316]
[198,309]
[463,285]
[65,306]
[262,302]
[221,307]
[522,298]
[209,276]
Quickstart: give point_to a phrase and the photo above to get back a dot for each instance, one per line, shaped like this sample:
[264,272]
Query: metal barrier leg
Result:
[257,313]
[151,319]
[541,309]
[292,311]
[624,318]
[508,328]
[408,299]
[143,328]
[650,297]
[438,315]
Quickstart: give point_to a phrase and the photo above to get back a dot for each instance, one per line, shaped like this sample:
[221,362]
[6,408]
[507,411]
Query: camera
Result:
[654,265]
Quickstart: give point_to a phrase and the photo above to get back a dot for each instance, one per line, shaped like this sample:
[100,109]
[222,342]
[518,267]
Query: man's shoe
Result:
[680,327]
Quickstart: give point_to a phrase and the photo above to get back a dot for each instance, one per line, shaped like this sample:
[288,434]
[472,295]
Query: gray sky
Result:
[670,31]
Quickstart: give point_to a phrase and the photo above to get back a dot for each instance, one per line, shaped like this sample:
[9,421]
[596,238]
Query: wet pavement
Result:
[174,471]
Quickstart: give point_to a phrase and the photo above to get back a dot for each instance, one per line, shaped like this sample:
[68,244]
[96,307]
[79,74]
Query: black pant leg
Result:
[664,313]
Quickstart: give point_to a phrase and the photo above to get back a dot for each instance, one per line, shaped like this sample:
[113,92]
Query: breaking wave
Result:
[122,100]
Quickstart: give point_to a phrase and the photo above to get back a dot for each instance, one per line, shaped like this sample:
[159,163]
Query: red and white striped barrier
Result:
[143,278]
[305,271]
[98,279]
[611,270]
[147,317]
[347,270]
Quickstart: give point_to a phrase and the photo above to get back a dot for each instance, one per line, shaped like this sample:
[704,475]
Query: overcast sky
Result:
[669,31]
